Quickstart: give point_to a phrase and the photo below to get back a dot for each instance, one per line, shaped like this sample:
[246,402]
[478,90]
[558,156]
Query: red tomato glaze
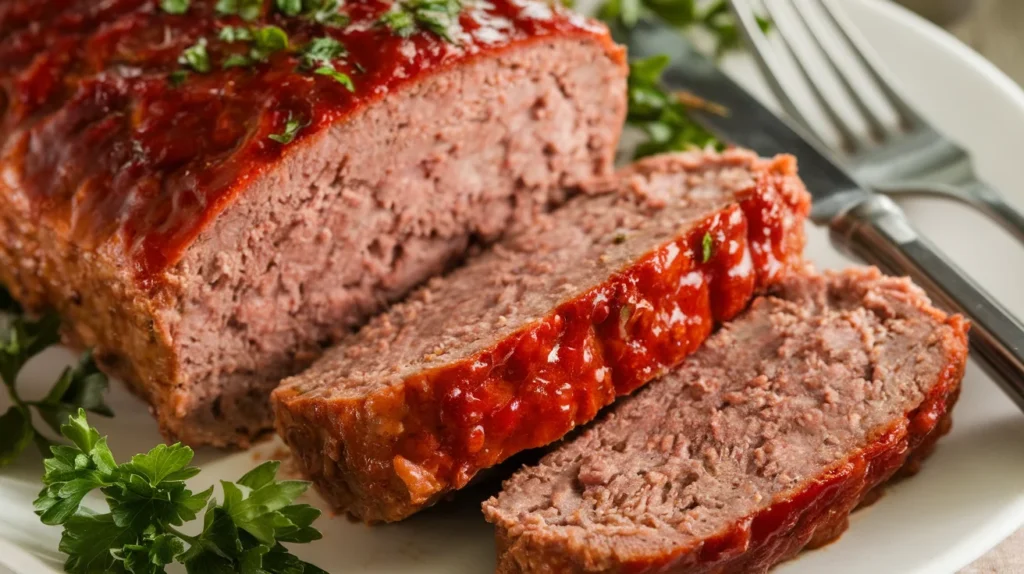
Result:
[98,140]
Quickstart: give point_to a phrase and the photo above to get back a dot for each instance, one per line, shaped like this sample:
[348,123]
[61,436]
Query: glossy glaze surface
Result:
[94,136]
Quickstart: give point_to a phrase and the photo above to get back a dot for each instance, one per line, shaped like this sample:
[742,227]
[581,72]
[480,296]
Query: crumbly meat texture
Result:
[206,261]
[534,336]
[760,444]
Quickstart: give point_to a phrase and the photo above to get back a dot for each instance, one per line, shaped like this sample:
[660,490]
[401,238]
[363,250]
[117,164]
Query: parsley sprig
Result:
[683,14]
[78,387]
[439,16]
[148,500]
[660,115]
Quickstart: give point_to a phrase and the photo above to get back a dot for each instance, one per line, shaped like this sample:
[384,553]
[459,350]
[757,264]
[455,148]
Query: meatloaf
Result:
[533,337]
[759,445]
[209,192]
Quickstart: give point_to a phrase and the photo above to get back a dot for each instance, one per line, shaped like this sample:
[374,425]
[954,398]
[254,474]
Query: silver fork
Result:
[911,158]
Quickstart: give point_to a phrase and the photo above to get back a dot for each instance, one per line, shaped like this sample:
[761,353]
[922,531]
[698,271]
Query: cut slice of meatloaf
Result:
[532,338]
[210,228]
[759,445]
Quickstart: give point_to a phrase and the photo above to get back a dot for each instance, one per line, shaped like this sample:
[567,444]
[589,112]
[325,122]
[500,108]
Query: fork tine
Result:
[876,125]
[754,38]
[866,56]
[850,141]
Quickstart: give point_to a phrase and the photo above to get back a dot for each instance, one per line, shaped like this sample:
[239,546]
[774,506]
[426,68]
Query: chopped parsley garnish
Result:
[174,6]
[326,12]
[177,78]
[236,61]
[321,51]
[148,500]
[196,57]
[289,7]
[340,77]
[439,16]
[684,14]
[247,10]
[232,34]
[661,116]
[706,245]
[266,41]
[291,129]
[79,387]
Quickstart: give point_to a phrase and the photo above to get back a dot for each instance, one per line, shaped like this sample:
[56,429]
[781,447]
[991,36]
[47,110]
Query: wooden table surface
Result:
[995,28]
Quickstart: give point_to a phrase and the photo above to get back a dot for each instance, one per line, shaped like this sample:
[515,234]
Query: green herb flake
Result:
[706,247]
[266,41]
[196,57]
[177,78]
[340,77]
[327,13]
[438,16]
[232,34]
[289,7]
[236,61]
[175,7]
[148,499]
[619,238]
[291,129]
[247,10]
[322,51]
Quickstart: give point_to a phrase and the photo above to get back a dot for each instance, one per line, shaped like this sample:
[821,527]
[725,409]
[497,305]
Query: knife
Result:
[865,225]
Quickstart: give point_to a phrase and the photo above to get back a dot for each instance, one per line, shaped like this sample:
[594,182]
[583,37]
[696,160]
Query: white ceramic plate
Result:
[969,496]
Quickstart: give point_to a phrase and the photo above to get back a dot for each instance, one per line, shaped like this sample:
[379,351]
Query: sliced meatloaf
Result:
[532,338]
[210,197]
[759,445]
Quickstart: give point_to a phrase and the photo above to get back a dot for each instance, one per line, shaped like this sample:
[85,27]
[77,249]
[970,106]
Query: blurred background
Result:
[992,27]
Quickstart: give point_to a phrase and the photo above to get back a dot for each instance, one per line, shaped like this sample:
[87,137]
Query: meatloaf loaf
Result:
[759,445]
[532,338]
[209,192]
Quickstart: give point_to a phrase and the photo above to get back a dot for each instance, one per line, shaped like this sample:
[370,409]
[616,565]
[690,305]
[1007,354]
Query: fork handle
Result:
[992,204]
[876,231]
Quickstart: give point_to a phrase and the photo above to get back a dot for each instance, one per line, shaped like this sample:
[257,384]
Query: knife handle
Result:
[877,231]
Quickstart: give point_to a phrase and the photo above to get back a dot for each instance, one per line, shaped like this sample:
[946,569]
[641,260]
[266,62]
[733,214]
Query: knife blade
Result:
[863,224]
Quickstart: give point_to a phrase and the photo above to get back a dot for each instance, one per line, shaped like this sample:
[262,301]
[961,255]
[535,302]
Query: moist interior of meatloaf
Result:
[370,209]
[520,280]
[773,400]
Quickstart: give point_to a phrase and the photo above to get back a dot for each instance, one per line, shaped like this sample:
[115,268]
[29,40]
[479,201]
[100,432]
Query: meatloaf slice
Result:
[208,228]
[532,338]
[759,445]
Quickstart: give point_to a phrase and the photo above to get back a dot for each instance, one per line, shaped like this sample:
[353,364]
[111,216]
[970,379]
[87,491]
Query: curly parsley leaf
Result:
[148,499]
[660,115]
[439,16]
[22,339]
[715,18]
[16,434]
